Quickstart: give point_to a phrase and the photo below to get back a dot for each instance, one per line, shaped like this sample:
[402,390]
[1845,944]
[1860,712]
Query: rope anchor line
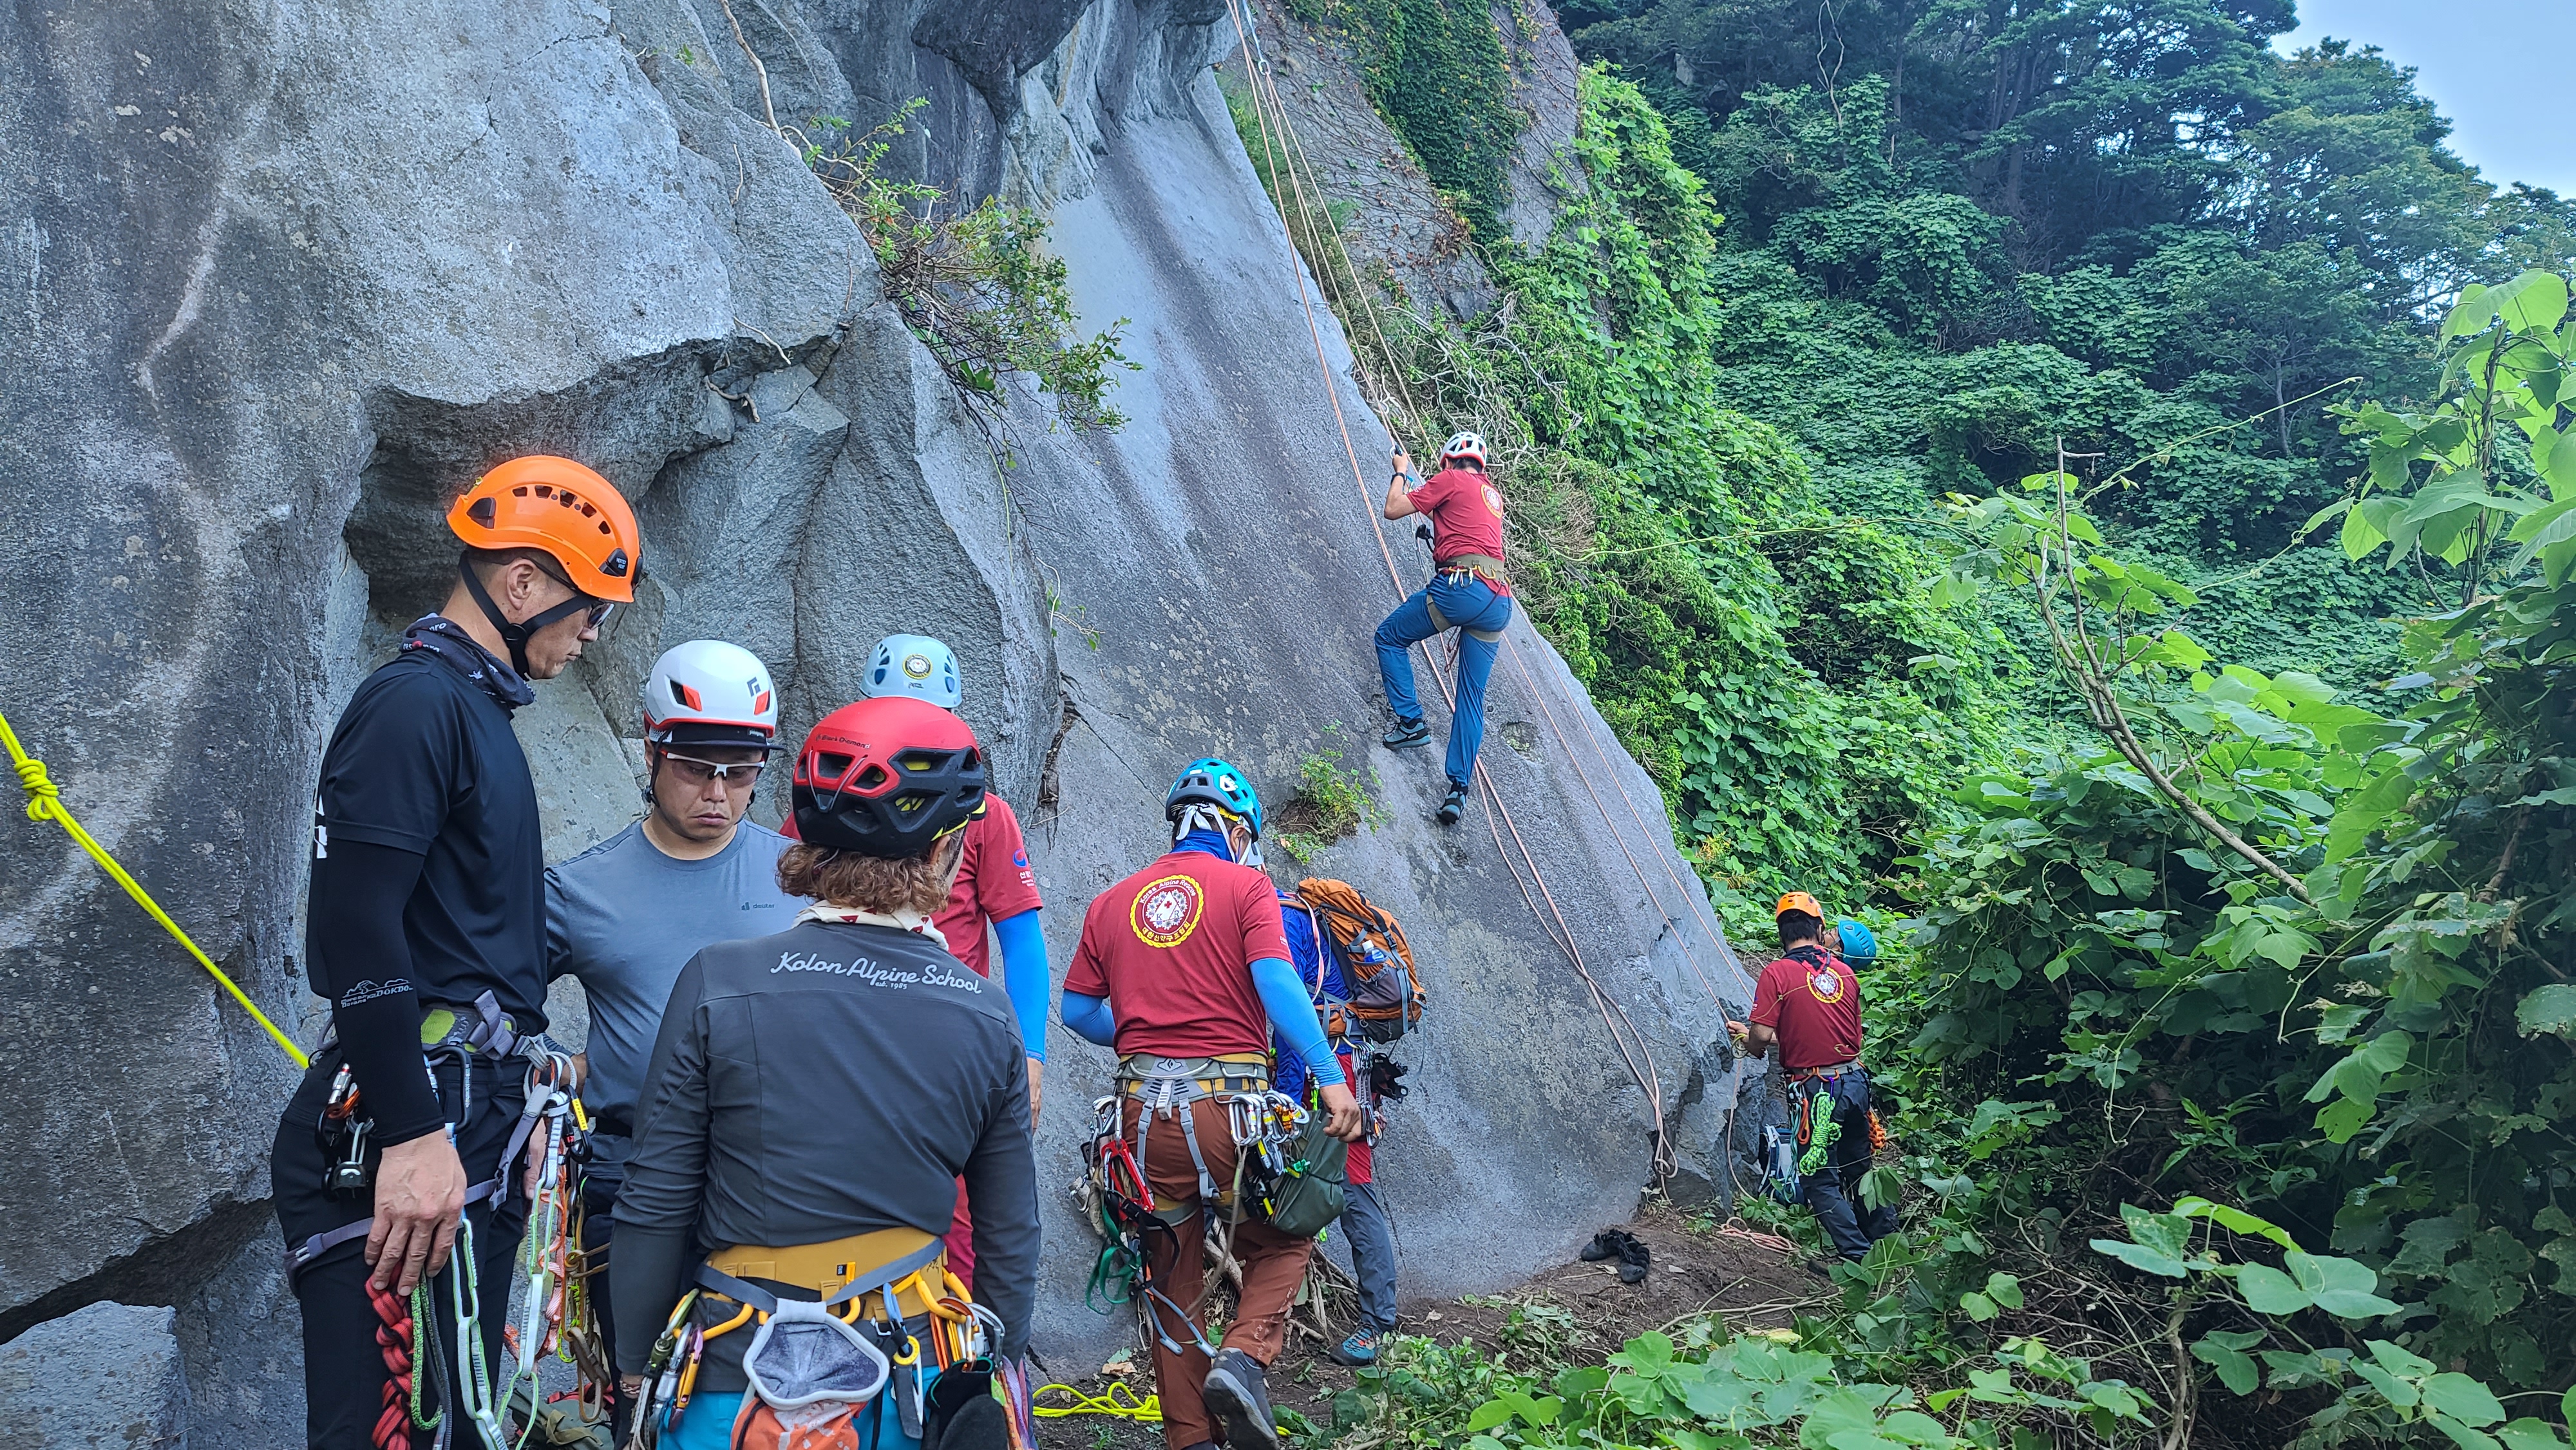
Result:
[45,803]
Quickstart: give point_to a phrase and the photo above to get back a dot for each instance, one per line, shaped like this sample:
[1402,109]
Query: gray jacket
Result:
[827,1081]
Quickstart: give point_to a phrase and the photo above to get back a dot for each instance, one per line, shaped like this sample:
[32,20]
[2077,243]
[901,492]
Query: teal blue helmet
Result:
[1859,945]
[1213,782]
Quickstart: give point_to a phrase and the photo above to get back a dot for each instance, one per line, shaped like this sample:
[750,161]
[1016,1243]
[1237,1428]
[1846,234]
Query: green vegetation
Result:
[1981,523]
[1329,804]
[976,285]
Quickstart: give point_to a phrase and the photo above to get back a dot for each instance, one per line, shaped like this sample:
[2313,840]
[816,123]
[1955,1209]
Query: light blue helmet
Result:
[914,665]
[1860,947]
[1213,782]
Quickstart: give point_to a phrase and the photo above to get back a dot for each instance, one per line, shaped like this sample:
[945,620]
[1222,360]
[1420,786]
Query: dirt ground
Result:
[1754,1280]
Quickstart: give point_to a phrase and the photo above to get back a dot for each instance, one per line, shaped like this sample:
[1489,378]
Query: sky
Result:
[2505,97]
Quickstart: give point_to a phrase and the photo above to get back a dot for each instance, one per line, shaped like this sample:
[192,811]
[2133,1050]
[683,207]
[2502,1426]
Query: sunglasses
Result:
[741,776]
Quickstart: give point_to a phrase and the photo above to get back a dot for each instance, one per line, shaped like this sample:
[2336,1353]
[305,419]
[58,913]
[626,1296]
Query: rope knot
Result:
[41,792]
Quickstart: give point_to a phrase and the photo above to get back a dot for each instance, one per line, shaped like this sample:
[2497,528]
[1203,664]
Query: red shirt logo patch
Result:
[1494,500]
[1826,984]
[1166,911]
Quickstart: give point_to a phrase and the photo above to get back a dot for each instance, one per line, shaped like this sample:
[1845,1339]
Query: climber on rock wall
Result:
[813,1098]
[1466,593]
[623,917]
[1368,1229]
[996,888]
[1178,968]
[1808,1002]
[427,936]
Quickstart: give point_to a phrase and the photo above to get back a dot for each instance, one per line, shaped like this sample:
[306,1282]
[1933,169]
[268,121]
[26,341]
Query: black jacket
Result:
[827,1081]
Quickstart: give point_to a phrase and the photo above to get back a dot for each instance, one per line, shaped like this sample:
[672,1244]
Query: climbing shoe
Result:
[1240,1399]
[1604,1246]
[1453,805]
[1358,1351]
[1405,734]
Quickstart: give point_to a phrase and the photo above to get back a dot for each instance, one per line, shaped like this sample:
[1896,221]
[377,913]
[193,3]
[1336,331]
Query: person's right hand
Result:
[1342,1116]
[1403,461]
[420,1196]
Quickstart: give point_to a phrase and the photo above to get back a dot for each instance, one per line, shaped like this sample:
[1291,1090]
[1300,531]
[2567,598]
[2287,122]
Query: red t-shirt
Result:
[994,883]
[1172,948]
[1813,1001]
[1466,514]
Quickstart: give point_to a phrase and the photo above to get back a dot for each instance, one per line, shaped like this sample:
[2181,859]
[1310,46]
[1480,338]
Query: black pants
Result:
[1833,1191]
[344,1369]
[598,1229]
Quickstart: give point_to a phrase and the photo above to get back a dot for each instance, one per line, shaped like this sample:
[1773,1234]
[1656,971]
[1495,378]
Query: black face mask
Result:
[516,636]
[441,636]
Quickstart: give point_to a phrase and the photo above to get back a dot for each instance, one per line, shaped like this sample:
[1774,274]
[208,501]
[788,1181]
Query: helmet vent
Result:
[869,779]
[831,767]
[545,490]
[483,512]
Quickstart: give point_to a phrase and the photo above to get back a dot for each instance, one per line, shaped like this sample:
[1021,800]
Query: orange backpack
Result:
[1377,963]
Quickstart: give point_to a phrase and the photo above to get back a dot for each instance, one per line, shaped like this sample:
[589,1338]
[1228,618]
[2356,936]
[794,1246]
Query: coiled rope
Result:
[45,803]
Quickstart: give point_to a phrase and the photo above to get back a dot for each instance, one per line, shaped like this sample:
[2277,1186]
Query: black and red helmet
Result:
[886,778]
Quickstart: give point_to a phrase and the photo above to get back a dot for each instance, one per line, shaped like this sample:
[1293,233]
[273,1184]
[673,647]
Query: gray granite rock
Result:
[291,277]
[104,1375]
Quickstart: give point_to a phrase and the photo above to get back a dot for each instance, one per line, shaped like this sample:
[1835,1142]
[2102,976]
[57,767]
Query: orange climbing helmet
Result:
[557,505]
[1798,901]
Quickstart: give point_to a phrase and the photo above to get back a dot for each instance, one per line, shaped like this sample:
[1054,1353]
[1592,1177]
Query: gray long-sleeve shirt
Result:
[827,1081]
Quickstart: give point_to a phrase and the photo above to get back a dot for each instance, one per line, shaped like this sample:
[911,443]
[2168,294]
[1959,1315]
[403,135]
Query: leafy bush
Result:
[1329,802]
[976,285]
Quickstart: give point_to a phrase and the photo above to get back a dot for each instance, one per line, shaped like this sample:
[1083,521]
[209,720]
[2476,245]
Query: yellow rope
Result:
[45,803]
[1117,1401]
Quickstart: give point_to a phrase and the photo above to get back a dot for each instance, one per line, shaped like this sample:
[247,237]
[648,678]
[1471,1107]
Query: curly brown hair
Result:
[871,883]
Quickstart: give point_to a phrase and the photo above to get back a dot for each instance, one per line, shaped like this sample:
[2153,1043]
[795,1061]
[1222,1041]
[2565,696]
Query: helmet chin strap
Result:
[516,636]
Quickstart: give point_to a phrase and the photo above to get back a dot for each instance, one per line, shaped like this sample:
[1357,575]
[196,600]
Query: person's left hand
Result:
[1342,1116]
[1037,1074]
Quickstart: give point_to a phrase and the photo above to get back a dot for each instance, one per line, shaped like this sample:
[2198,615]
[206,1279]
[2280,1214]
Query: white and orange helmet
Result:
[708,692]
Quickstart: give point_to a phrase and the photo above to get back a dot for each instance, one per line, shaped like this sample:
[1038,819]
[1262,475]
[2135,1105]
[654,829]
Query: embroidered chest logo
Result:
[1494,500]
[1166,911]
[1825,984]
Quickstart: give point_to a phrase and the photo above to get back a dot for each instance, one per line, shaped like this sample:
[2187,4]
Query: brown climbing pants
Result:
[1176,1264]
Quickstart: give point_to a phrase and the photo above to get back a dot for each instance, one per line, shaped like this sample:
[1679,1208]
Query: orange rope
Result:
[1649,1079]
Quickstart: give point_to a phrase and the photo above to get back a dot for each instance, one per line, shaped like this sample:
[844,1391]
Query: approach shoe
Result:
[1406,734]
[1633,1260]
[1604,1246]
[1239,1397]
[1358,1351]
[1453,805]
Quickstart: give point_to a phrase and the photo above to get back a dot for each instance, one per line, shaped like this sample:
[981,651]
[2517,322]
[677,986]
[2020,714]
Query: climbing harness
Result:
[45,803]
[551,1130]
[890,1320]
[1114,1196]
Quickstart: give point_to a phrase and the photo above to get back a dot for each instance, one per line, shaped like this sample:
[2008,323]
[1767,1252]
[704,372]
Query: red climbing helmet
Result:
[887,778]
[1465,445]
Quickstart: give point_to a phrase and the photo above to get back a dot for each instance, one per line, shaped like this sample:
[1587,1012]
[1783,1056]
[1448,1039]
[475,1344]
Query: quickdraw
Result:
[552,1136]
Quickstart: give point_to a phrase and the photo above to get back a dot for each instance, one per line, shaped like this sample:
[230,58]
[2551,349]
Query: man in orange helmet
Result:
[1808,1002]
[426,934]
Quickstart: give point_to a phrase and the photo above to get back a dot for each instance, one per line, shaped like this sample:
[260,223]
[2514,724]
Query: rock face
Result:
[104,1375]
[277,282]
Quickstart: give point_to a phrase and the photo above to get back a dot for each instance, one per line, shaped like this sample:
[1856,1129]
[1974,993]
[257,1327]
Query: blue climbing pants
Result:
[1468,604]
[1833,1191]
[1372,1240]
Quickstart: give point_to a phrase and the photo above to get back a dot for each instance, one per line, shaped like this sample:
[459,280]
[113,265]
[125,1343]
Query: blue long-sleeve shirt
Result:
[1319,972]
